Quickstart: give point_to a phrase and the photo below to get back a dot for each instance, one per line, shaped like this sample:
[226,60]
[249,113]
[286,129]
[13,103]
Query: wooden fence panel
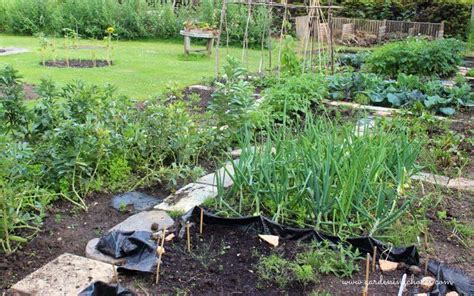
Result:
[400,28]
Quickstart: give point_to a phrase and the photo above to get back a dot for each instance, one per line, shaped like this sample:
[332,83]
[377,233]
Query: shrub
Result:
[417,56]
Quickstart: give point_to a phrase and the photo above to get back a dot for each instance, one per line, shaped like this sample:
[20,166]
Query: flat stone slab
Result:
[66,275]
[224,175]
[364,125]
[380,111]
[93,253]
[188,197]
[143,221]
[136,201]
[198,87]
[456,183]
[12,50]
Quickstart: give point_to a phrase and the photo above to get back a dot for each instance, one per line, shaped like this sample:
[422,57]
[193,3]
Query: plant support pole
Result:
[223,12]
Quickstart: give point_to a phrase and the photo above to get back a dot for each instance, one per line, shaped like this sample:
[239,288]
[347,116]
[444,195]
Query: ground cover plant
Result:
[322,175]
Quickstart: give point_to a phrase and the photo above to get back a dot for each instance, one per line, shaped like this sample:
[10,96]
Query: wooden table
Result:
[210,36]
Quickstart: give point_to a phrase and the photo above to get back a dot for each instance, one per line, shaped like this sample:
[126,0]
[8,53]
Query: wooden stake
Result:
[158,264]
[201,221]
[426,263]
[188,235]
[115,279]
[365,292]
[374,259]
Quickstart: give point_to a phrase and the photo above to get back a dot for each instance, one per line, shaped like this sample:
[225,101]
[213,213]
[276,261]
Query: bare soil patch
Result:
[76,63]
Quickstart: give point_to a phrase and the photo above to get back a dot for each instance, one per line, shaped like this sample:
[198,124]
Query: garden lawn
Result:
[141,68]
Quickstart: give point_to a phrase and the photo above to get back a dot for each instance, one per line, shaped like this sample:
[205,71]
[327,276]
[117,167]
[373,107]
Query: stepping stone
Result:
[137,201]
[143,221]
[199,88]
[364,125]
[224,174]
[457,183]
[93,253]
[66,275]
[188,197]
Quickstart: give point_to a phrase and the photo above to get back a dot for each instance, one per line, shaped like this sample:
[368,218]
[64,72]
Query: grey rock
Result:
[144,220]
[414,270]
[136,201]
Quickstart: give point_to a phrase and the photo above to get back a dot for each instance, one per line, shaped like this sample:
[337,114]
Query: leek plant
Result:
[323,175]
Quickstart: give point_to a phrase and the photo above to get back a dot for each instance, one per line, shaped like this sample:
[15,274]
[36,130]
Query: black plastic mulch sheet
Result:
[103,289]
[450,279]
[262,225]
[136,247]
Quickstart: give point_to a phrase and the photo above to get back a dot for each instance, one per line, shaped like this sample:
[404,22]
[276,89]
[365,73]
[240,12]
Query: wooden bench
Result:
[210,36]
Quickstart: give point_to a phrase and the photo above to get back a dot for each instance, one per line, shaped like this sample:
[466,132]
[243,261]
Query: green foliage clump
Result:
[305,268]
[233,99]
[418,57]
[292,96]
[85,138]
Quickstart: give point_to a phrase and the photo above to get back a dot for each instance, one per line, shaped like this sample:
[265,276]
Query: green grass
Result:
[142,68]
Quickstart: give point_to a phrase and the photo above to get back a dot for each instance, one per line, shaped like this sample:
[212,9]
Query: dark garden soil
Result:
[204,94]
[223,261]
[445,243]
[75,63]
[66,229]
[29,90]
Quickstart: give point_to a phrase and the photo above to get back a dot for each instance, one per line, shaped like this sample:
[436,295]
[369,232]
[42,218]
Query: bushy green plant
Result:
[13,113]
[83,138]
[292,96]
[417,56]
[233,99]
